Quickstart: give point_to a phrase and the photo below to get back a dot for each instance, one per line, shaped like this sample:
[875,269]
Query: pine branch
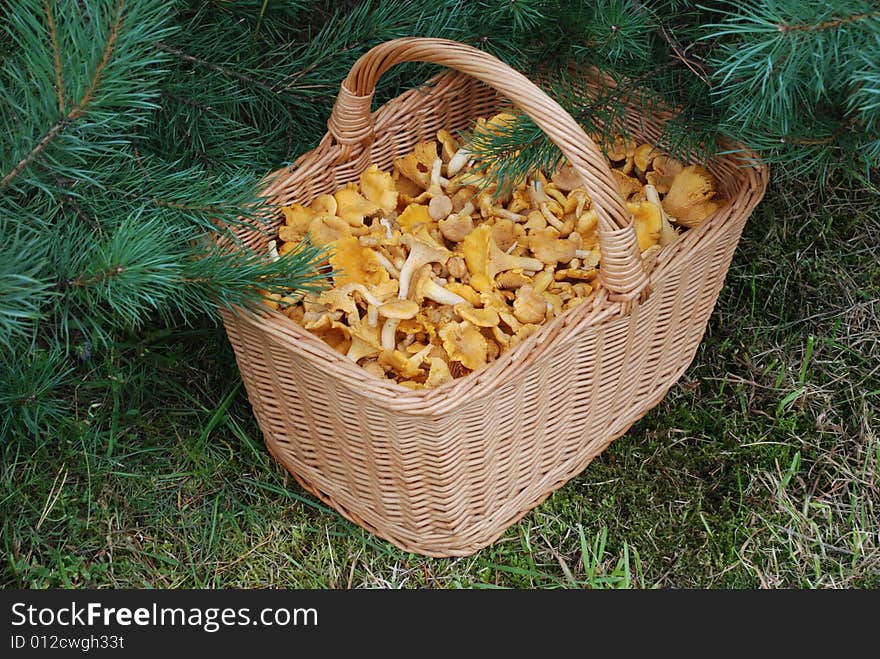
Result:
[80,108]
[56,51]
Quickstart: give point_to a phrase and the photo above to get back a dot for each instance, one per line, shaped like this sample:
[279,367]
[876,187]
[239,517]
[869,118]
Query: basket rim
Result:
[596,309]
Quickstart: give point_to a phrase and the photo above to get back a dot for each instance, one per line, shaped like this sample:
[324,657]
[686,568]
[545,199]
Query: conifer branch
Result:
[77,111]
[56,48]
[827,25]
[241,77]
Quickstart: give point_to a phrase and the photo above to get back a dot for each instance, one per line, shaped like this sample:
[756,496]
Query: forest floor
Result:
[758,469]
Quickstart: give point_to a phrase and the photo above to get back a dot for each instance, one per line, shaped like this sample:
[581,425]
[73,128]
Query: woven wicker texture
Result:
[445,471]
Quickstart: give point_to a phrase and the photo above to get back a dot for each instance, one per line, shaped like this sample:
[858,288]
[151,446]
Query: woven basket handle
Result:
[351,123]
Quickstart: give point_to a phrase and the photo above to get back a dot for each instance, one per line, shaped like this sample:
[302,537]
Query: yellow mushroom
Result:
[448,144]
[643,157]
[405,367]
[529,306]
[627,184]
[355,264]
[668,233]
[324,204]
[478,317]
[417,165]
[548,248]
[464,291]
[424,287]
[507,234]
[458,225]
[464,344]
[325,229]
[297,219]
[414,217]
[664,169]
[690,197]
[422,249]
[334,333]
[485,259]
[378,187]
[647,222]
[511,280]
[566,178]
[439,372]
[456,267]
[395,311]
[352,207]
[365,341]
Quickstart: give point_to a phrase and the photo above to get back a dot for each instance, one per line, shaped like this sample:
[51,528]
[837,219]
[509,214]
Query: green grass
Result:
[759,469]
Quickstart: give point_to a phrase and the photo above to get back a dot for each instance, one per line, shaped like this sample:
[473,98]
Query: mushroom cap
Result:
[334,333]
[689,200]
[398,362]
[423,286]
[416,166]
[324,204]
[546,245]
[478,317]
[566,178]
[399,309]
[644,155]
[456,227]
[506,232]
[415,217]
[448,144]
[529,306]
[297,219]
[464,291]
[439,372]
[352,207]
[464,344]
[511,279]
[664,169]
[627,184]
[647,221]
[378,187]
[355,264]
[439,207]
[326,229]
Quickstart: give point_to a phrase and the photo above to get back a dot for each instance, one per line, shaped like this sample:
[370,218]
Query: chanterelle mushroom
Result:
[424,286]
[352,207]
[464,344]
[458,225]
[422,250]
[417,165]
[355,264]
[378,187]
[546,245]
[297,219]
[485,259]
[529,306]
[648,223]
[668,234]
[690,197]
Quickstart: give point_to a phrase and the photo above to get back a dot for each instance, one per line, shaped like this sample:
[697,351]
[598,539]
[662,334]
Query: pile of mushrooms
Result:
[435,275]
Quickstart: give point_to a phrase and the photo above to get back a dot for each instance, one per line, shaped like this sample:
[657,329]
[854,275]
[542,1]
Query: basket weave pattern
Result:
[446,471]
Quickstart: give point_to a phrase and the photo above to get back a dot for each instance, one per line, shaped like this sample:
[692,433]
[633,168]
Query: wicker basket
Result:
[445,471]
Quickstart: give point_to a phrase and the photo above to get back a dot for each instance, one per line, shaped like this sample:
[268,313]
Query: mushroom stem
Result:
[273,251]
[668,234]
[551,218]
[434,291]
[389,332]
[500,211]
[386,263]
[457,161]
